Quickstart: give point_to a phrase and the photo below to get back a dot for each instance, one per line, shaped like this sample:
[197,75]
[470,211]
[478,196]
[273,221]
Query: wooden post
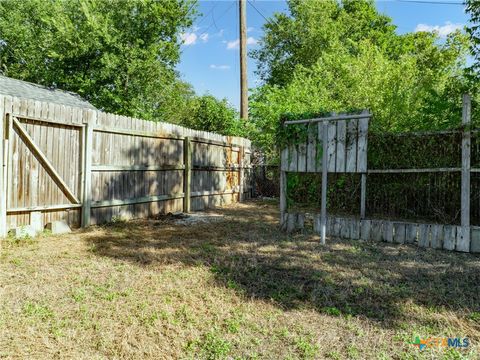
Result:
[87,173]
[463,242]
[283,197]
[323,210]
[187,175]
[3,175]
[362,160]
[283,186]
[243,59]
[241,174]
[363,195]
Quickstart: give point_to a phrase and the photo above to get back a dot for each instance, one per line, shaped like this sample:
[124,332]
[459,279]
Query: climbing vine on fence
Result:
[414,150]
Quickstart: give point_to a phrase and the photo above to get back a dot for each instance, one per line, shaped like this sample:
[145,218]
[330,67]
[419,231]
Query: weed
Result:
[233,324]
[16,261]
[150,319]
[306,348]
[26,240]
[37,310]
[79,295]
[475,316]
[330,310]
[211,346]
[335,355]
[352,352]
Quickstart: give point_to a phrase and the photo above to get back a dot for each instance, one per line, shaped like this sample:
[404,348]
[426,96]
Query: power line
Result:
[205,16]
[432,2]
[213,23]
[223,14]
[258,11]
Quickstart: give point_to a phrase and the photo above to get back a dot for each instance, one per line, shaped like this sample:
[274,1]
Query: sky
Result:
[210,54]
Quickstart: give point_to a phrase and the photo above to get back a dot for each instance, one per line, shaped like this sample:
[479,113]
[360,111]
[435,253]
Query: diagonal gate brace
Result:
[44,161]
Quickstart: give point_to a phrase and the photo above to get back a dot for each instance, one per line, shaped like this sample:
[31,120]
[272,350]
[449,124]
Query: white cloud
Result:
[234,44]
[189,38]
[220,67]
[442,30]
[249,29]
[204,37]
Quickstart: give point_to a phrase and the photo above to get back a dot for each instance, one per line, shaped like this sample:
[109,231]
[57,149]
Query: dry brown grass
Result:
[233,288]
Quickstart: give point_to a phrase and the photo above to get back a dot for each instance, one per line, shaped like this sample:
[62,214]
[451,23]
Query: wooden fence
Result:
[460,237]
[89,167]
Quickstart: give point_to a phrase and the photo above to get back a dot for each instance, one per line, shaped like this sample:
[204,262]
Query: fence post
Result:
[363,195]
[187,175]
[241,174]
[3,173]
[87,171]
[463,241]
[362,160]
[283,187]
[323,209]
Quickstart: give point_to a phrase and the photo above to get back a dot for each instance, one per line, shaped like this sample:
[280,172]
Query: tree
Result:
[343,56]
[120,55]
[473,8]
[316,27]
[210,114]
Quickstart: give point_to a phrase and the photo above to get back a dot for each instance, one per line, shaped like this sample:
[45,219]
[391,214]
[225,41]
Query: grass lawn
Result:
[233,287]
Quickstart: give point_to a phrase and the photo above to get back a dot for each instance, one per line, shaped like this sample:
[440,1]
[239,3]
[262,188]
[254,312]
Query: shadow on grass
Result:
[246,252]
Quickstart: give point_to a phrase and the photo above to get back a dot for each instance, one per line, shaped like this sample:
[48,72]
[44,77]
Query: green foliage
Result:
[210,114]
[306,347]
[345,56]
[332,311]
[213,346]
[120,55]
[473,8]
[404,151]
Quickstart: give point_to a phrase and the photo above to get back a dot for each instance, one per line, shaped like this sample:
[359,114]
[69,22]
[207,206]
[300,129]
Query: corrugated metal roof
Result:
[26,90]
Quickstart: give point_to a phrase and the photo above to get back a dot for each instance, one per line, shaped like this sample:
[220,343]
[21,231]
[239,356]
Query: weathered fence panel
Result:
[346,148]
[335,144]
[88,167]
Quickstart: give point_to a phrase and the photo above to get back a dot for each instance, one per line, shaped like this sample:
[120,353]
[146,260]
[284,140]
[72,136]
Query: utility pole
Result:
[243,60]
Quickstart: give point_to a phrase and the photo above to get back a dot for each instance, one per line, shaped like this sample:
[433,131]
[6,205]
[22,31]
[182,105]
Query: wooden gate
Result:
[44,162]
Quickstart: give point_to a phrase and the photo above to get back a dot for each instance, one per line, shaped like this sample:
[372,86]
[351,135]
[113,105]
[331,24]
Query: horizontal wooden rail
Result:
[141,200]
[106,168]
[235,147]
[232,167]
[44,208]
[419,133]
[147,199]
[48,121]
[404,171]
[139,133]
[150,134]
[98,168]
[215,192]
[387,171]
[329,118]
